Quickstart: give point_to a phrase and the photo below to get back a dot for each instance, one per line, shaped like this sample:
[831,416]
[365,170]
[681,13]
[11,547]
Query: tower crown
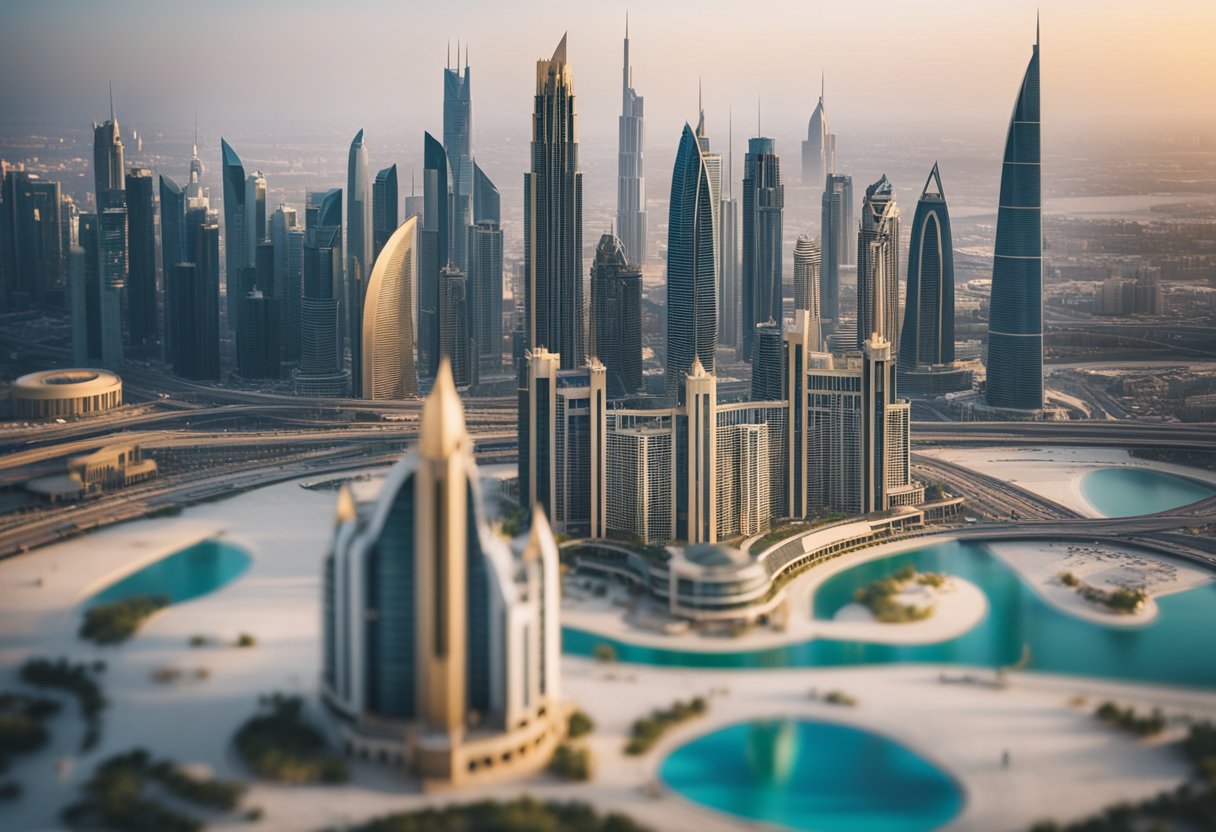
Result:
[442,432]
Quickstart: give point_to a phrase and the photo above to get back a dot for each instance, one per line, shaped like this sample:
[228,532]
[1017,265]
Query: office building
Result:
[616,316]
[767,363]
[553,218]
[926,349]
[1015,318]
[320,372]
[192,303]
[287,237]
[485,288]
[232,171]
[807,260]
[109,166]
[257,343]
[441,644]
[255,215]
[172,247]
[388,328]
[112,251]
[692,265]
[837,240]
[434,248]
[358,250]
[763,203]
[455,340]
[385,209]
[142,296]
[32,238]
[819,149]
[878,264]
[457,143]
[631,173]
[729,307]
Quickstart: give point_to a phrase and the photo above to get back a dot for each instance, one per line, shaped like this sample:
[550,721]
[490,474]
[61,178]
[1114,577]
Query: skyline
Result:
[1093,84]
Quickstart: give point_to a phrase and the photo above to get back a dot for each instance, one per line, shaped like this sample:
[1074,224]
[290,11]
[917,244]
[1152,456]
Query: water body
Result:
[1174,648]
[182,576]
[1127,492]
[837,778]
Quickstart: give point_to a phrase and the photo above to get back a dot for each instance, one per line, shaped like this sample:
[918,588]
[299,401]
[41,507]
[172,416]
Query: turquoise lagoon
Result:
[183,575]
[1127,492]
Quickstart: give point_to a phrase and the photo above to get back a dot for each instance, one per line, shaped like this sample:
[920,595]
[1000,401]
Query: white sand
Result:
[1064,763]
[1056,472]
[1104,566]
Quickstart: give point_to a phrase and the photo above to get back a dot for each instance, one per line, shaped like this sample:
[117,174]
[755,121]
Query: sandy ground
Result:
[1064,763]
[1056,473]
[1104,566]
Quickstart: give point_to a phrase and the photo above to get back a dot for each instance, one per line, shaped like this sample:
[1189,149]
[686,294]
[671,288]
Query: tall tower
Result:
[819,149]
[386,205]
[108,162]
[457,133]
[728,253]
[433,249]
[388,329]
[763,203]
[631,176]
[807,257]
[878,263]
[927,337]
[701,396]
[836,235]
[485,272]
[320,372]
[692,265]
[1015,322]
[358,249]
[233,174]
[255,215]
[616,316]
[111,197]
[553,218]
[141,269]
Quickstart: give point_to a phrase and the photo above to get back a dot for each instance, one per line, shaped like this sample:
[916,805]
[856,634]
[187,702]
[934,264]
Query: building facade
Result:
[878,265]
[631,173]
[807,261]
[457,143]
[616,316]
[358,250]
[819,148]
[320,372]
[388,328]
[837,238]
[763,204]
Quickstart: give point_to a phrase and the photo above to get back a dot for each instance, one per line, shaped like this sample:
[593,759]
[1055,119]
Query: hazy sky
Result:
[1106,63]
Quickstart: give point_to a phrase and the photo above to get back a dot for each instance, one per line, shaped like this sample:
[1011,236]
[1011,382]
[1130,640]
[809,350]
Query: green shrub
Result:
[75,679]
[649,729]
[605,653]
[119,620]
[579,725]
[571,763]
[246,640]
[198,641]
[523,814]
[1069,579]
[277,744]
[839,697]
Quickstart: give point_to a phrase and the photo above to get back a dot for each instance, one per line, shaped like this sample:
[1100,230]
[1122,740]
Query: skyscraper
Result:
[553,218]
[728,255]
[485,272]
[255,215]
[320,372]
[358,249]
[692,265]
[631,175]
[192,302]
[836,236]
[487,206]
[257,349]
[926,348]
[385,209]
[455,340]
[141,270]
[767,363]
[878,263]
[1015,322]
[806,280]
[287,235]
[434,624]
[109,167]
[457,133]
[616,322]
[388,327]
[819,149]
[233,174]
[433,248]
[763,202]
[112,249]
[32,264]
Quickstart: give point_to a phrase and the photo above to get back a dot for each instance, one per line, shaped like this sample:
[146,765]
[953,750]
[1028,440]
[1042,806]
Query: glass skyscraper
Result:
[457,130]
[631,176]
[927,337]
[1015,319]
[358,250]
[233,174]
[836,225]
[616,316]
[763,202]
[878,263]
[692,265]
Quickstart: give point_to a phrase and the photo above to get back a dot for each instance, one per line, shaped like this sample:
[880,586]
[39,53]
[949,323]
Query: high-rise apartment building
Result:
[142,295]
[616,316]
[457,143]
[767,362]
[358,250]
[1015,319]
[837,238]
[485,272]
[386,206]
[433,250]
[807,261]
[878,264]
[233,175]
[554,303]
[320,371]
[455,340]
[631,174]
[287,236]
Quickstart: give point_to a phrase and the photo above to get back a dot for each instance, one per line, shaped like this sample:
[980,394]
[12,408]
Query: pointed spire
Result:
[442,429]
[559,54]
[448,64]
[822,83]
[538,533]
[1036,27]
[111,100]
[457,55]
[196,134]
[758,133]
[345,510]
[466,60]
[730,153]
[626,24]
[934,176]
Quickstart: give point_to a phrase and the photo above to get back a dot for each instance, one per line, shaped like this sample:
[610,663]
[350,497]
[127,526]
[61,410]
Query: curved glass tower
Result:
[387,328]
[1015,319]
[692,273]
[358,248]
[927,337]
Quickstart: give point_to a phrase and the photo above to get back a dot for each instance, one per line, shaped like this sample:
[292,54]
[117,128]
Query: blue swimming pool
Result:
[809,775]
[182,576]
[1174,648]
[1126,492]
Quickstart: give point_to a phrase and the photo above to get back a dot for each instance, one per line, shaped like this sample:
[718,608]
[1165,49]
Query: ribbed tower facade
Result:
[358,249]
[1015,321]
[554,302]
[878,265]
[388,327]
[763,203]
[692,265]
[807,256]
[457,142]
[631,176]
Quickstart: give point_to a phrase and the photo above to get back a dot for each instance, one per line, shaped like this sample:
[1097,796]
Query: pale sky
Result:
[954,62]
